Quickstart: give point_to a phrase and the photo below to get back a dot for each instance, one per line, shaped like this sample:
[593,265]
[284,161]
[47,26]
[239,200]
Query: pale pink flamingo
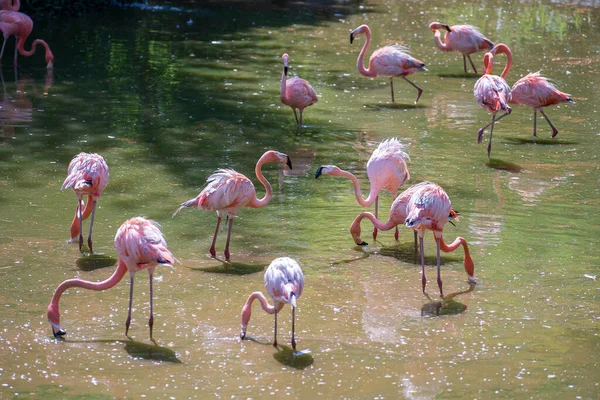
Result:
[87,175]
[10,5]
[227,191]
[141,245]
[296,92]
[388,61]
[19,25]
[465,39]
[386,170]
[491,91]
[284,282]
[429,208]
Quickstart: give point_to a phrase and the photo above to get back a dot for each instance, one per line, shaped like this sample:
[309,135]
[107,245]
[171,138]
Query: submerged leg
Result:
[439,277]
[491,133]
[151,319]
[534,122]
[300,124]
[376,216]
[91,227]
[554,130]
[80,214]
[2,51]
[392,87]
[128,322]
[275,330]
[480,131]
[418,88]
[293,327]
[472,65]
[226,252]
[296,116]
[423,279]
[214,241]
[416,243]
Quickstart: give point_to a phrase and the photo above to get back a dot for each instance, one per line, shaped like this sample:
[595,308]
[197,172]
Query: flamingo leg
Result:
[418,88]
[16,50]
[376,212]
[392,87]
[465,63]
[480,131]
[214,241]
[128,322]
[416,244]
[296,116]
[472,65]
[554,130]
[80,215]
[534,122]
[226,252]
[151,319]
[275,330]
[423,279]
[300,124]
[2,51]
[91,227]
[439,276]
[293,323]
[491,133]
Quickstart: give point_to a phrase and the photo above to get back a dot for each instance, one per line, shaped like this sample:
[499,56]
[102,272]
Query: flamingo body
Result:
[227,191]
[284,282]
[296,92]
[465,39]
[19,25]
[140,245]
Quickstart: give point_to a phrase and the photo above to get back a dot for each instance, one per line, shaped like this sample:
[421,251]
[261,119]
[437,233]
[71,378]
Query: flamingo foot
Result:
[90,245]
[127,323]
[275,343]
[424,282]
[554,132]
[480,135]
[294,344]
[80,243]
[440,286]
[396,234]
[213,252]
[227,255]
[151,324]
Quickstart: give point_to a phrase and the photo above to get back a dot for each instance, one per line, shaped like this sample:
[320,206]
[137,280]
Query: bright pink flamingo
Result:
[537,92]
[10,5]
[87,175]
[429,208]
[19,25]
[141,245]
[284,282]
[491,91]
[296,92]
[389,61]
[386,170]
[227,191]
[465,39]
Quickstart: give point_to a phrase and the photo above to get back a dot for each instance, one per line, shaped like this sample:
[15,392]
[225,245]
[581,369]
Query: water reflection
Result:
[233,268]
[447,306]
[295,359]
[153,352]
[94,261]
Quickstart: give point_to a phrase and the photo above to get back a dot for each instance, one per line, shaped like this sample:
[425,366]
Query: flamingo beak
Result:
[351,37]
[289,162]
[50,65]
[57,331]
[285,70]
[318,173]
[448,28]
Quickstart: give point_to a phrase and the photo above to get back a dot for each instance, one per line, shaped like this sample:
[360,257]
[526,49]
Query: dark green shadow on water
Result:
[233,268]
[395,106]
[95,261]
[447,306]
[135,349]
[287,356]
[536,140]
[461,75]
[503,165]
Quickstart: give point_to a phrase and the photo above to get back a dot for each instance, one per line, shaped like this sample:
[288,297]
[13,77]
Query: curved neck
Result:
[382,226]
[503,49]
[447,248]
[27,53]
[257,203]
[488,63]
[360,62]
[247,309]
[438,41]
[363,202]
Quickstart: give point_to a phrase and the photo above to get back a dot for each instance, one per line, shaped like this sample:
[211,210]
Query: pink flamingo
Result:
[491,91]
[465,39]
[284,282]
[141,245]
[296,92]
[389,61]
[429,208]
[19,25]
[10,5]
[87,175]
[227,191]
[386,170]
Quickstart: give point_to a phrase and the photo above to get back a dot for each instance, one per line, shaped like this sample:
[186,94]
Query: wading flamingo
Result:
[491,91]
[296,92]
[10,5]
[284,282]
[465,39]
[141,245]
[429,208]
[386,170]
[87,175]
[388,61]
[19,25]
[227,191]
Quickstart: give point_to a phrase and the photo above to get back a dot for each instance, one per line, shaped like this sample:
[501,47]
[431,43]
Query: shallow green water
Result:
[167,102]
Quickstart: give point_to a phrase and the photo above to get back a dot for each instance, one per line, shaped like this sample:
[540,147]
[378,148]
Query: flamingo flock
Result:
[424,206]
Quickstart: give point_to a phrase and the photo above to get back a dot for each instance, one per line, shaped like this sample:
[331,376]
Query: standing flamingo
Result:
[429,208]
[296,92]
[491,91]
[465,39]
[389,61]
[141,245]
[227,191]
[284,282]
[386,170]
[19,25]
[87,175]
[10,5]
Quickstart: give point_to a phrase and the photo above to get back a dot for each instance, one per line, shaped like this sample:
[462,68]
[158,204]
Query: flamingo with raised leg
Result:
[19,25]
[284,282]
[296,93]
[87,175]
[386,170]
[429,208]
[388,61]
[141,245]
[227,191]
[491,91]
[465,39]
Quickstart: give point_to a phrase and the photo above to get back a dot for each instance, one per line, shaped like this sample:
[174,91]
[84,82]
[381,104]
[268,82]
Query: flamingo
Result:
[141,245]
[19,25]
[10,5]
[389,61]
[491,91]
[227,191]
[296,92]
[87,175]
[466,39]
[386,170]
[429,208]
[284,282]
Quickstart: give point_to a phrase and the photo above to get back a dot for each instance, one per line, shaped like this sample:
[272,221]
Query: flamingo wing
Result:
[140,242]
[467,39]
[393,61]
[87,172]
[226,191]
[536,91]
[299,93]
[284,276]
[428,208]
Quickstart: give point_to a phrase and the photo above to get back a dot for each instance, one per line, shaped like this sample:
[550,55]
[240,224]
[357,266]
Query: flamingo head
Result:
[327,170]
[434,26]
[285,58]
[54,319]
[363,29]
[355,232]
[290,294]
[469,267]
[49,59]
[273,156]
[488,61]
